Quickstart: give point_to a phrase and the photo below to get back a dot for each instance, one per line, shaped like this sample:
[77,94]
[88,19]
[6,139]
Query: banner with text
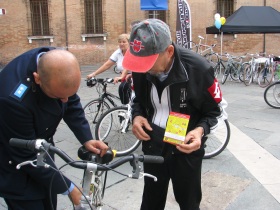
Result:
[183,23]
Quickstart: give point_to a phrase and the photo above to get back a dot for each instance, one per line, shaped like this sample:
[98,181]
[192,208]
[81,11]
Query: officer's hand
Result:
[75,196]
[192,141]
[139,123]
[98,147]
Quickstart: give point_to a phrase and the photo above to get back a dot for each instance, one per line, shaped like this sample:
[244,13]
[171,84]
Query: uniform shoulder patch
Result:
[19,92]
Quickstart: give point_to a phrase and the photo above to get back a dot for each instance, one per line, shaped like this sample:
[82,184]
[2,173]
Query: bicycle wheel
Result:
[272,95]
[116,70]
[242,70]
[247,75]
[114,128]
[266,76]
[93,110]
[225,75]
[212,58]
[216,142]
[234,71]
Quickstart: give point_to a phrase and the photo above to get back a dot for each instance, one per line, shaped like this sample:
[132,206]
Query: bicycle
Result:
[266,74]
[96,107]
[233,68]
[204,49]
[200,48]
[251,72]
[272,95]
[93,165]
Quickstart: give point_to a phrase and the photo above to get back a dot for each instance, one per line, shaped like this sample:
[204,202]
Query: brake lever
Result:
[141,175]
[31,162]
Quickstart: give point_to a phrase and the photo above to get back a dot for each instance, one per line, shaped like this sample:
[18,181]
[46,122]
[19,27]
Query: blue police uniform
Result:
[27,113]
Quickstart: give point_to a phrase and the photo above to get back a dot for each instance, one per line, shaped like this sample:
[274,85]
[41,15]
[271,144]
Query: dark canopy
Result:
[250,19]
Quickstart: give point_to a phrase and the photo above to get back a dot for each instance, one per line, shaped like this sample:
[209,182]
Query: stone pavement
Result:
[244,176]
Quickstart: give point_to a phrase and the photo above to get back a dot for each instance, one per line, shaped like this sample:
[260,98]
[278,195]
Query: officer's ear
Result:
[37,78]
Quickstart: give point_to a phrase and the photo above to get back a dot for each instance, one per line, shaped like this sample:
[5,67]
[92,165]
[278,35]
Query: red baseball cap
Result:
[147,39]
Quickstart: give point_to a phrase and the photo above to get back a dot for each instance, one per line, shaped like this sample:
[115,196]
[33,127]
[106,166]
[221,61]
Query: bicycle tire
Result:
[109,129]
[272,95]
[234,71]
[225,75]
[212,58]
[247,75]
[116,70]
[93,112]
[216,142]
[242,70]
[265,77]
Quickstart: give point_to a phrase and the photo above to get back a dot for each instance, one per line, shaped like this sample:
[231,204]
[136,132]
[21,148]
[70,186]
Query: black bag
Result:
[154,146]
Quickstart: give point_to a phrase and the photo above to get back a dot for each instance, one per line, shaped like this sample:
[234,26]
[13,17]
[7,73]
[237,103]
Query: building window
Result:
[39,17]
[93,17]
[159,14]
[225,7]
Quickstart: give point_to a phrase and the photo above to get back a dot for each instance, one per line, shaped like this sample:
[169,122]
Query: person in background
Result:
[116,59]
[168,78]
[38,89]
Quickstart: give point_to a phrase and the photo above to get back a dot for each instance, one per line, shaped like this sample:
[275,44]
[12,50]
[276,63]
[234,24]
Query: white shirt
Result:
[117,57]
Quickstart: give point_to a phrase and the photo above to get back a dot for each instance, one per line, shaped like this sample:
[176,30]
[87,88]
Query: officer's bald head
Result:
[58,71]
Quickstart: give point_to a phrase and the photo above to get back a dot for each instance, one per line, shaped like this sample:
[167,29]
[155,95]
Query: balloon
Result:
[223,20]
[217,16]
[218,24]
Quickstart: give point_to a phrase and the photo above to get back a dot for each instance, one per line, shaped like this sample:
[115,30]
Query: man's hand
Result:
[192,141]
[75,196]
[98,147]
[139,123]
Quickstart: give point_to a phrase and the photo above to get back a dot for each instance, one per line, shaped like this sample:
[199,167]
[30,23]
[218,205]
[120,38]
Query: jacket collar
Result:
[177,73]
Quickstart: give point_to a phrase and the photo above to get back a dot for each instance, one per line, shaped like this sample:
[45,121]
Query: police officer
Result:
[38,89]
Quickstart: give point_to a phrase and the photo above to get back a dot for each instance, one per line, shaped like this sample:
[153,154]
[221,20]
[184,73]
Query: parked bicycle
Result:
[93,165]
[233,68]
[252,70]
[266,74]
[200,48]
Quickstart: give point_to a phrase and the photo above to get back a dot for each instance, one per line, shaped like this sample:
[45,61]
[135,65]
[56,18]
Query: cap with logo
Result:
[147,39]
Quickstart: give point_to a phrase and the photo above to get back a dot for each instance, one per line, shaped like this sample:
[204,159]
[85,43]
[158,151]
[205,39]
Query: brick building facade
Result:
[67,27]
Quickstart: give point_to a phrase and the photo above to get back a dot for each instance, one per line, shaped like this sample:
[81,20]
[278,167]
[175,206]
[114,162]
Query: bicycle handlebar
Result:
[93,81]
[41,145]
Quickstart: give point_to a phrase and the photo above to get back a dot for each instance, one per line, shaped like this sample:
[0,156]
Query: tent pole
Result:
[264,43]
[222,43]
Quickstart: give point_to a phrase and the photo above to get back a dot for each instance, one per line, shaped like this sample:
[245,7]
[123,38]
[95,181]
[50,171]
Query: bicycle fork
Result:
[127,117]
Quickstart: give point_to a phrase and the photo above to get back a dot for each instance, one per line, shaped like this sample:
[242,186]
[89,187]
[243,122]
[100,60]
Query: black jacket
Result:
[190,88]
[31,114]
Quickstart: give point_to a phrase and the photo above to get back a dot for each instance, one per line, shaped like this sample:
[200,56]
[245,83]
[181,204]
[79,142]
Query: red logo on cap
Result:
[136,45]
